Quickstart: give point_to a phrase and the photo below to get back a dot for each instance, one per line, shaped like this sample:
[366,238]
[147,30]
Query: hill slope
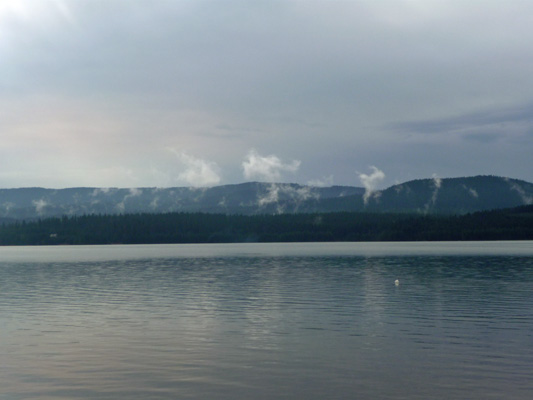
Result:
[425,196]
[446,196]
[245,198]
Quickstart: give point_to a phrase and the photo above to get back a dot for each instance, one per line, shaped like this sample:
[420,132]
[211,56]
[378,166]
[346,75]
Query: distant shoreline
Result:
[95,253]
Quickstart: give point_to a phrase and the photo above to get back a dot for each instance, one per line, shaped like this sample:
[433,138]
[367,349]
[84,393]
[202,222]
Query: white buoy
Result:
[397,282]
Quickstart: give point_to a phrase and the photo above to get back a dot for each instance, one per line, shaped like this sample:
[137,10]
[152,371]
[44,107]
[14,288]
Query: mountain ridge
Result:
[423,196]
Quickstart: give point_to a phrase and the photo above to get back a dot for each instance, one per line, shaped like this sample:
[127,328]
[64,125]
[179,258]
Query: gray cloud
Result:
[370,182]
[40,205]
[267,168]
[496,120]
[93,92]
[198,172]
[484,138]
[321,182]
[526,198]
[437,183]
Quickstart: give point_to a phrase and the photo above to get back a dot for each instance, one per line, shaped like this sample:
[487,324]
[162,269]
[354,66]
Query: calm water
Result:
[300,321]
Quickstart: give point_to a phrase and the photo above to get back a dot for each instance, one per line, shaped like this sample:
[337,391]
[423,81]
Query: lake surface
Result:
[268,321]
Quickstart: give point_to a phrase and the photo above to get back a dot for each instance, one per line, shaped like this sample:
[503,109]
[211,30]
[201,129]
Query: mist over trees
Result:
[425,209]
[424,196]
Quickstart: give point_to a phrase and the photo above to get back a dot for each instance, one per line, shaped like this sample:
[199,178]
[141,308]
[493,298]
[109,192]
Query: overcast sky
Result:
[165,93]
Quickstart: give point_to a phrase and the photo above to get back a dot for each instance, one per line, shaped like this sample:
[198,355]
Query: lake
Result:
[268,321]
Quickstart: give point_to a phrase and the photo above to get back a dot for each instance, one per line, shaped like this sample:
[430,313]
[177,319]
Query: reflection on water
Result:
[290,327]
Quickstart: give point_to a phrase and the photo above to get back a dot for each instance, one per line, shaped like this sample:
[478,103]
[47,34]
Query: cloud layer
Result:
[94,93]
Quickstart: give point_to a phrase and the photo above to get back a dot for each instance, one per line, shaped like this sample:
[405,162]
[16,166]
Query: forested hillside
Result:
[425,196]
[516,224]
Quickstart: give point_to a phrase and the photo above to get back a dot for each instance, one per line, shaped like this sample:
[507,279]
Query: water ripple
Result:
[268,327]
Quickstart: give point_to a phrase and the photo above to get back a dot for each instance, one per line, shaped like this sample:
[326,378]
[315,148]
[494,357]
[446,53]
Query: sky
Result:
[163,93]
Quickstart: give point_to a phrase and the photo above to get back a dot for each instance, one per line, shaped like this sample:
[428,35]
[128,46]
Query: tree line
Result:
[508,224]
